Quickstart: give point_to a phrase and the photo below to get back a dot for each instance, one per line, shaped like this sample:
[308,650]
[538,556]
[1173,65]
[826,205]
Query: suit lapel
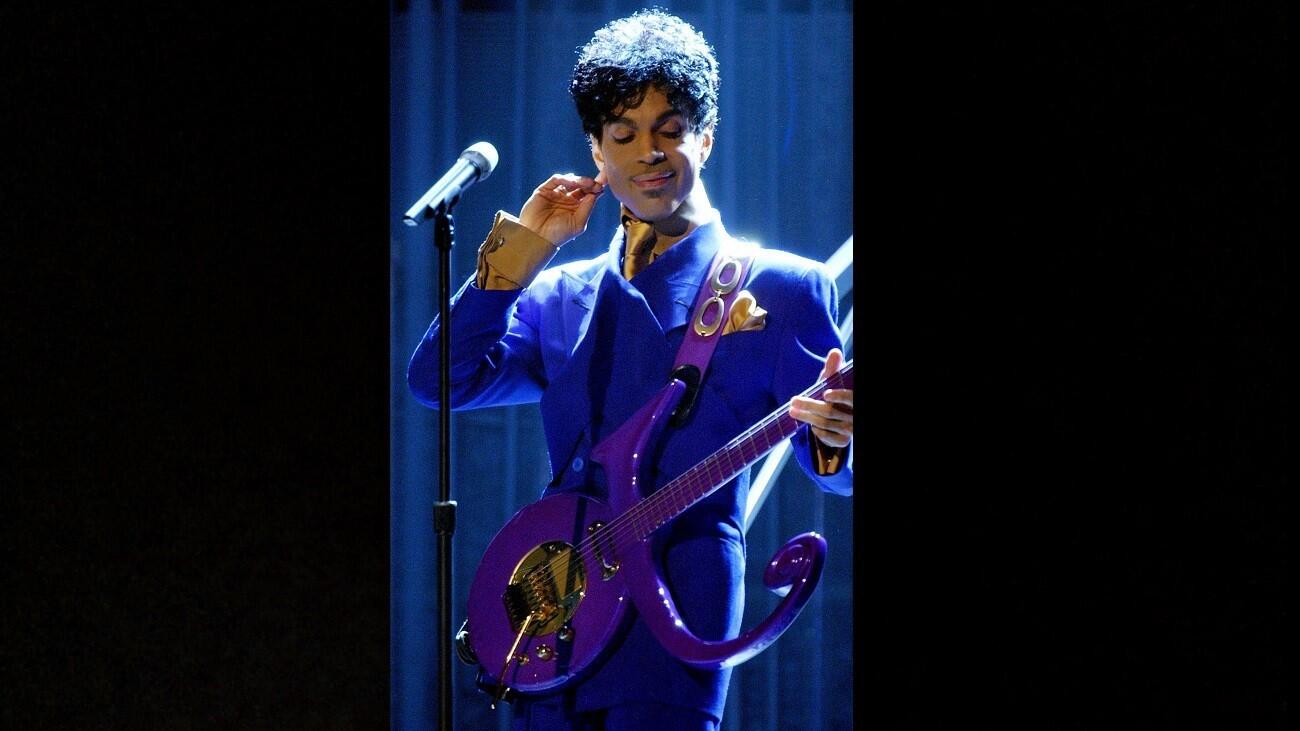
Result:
[670,284]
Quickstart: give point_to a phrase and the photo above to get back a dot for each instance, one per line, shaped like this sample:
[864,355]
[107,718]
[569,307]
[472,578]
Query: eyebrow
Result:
[658,120]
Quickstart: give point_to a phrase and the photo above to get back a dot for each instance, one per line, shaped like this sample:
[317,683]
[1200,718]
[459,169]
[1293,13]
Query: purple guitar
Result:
[554,587]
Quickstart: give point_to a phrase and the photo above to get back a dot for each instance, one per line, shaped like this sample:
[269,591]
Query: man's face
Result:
[651,157]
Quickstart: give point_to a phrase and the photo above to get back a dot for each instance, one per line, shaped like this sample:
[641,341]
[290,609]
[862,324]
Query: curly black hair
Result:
[649,48]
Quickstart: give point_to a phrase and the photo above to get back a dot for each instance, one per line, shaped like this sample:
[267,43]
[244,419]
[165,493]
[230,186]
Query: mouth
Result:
[651,181]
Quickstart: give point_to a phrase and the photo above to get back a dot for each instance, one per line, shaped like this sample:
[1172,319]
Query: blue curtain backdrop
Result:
[781,174]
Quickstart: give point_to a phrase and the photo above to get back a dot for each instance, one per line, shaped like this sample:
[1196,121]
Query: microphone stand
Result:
[475,163]
[444,509]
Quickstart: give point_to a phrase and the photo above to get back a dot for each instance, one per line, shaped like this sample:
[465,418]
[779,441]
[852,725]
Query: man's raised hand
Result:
[559,208]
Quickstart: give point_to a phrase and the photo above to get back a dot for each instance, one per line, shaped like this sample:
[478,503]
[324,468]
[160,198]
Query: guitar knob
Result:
[566,633]
[544,652]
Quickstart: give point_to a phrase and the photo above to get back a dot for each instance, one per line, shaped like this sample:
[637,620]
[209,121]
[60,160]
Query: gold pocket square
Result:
[746,315]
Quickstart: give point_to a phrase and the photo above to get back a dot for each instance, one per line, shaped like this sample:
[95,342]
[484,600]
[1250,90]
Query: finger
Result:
[818,421]
[553,181]
[587,203]
[842,396]
[559,190]
[556,196]
[550,185]
[836,427]
[570,182]
[819,413]
[591,185]
[841,428]
[560,183]
[832,365]
[831,439]
[578,194]
[828,425]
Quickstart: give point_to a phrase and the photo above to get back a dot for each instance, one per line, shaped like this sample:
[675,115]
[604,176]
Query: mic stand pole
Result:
[444,509]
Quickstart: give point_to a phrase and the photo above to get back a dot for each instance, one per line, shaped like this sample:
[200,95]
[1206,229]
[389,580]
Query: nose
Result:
[652,154]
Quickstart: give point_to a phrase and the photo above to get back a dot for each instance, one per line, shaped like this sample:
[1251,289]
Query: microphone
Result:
[474,164]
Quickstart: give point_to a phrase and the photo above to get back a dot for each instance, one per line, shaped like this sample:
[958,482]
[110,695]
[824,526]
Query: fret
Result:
[697,482]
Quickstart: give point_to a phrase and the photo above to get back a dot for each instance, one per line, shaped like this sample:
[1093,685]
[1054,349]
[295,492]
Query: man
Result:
[594,340]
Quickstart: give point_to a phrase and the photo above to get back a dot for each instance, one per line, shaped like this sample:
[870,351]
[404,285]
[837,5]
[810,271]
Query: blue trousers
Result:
[553,715]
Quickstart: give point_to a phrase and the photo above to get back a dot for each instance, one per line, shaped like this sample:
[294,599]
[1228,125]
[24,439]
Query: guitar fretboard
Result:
[716,470]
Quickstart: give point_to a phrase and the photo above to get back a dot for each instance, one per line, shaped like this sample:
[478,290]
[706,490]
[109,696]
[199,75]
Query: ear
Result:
[596,154]
[706,144]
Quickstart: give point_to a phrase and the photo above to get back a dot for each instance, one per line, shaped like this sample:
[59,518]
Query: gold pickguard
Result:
[548,583]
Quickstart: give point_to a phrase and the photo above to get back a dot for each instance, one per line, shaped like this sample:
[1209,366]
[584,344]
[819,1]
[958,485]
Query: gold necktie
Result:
[638,246]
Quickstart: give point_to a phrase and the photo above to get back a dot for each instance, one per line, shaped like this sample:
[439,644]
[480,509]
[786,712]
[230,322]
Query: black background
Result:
[1071,503]
[1070,286]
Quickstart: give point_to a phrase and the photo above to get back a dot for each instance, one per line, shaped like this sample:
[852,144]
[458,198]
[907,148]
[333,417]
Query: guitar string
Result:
[618,529]
[613,534]
[712,470]
[675,488]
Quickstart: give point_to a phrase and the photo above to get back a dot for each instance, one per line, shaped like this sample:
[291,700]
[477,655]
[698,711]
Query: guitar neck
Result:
[716,470]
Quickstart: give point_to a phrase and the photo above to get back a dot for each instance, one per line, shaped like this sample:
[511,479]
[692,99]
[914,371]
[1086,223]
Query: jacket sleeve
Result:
[810,333]
[495,351]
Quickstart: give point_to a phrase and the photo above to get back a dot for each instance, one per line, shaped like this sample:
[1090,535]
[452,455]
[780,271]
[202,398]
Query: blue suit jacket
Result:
[593,347]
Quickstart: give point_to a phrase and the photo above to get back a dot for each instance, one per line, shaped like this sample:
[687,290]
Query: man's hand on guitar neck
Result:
[831,419]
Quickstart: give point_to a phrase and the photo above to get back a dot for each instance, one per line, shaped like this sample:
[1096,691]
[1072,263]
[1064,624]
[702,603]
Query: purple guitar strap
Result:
[718,292]
[793,572]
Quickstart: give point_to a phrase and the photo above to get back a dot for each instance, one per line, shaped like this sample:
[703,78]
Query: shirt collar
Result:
[686,258]
[670,284]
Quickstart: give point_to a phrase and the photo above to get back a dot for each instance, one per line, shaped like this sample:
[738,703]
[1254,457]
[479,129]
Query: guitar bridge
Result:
[547,586]
[520,604]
